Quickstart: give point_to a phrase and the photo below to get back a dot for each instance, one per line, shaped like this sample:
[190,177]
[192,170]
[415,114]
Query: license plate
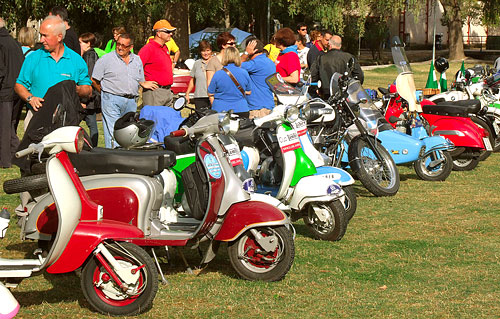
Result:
[487,144]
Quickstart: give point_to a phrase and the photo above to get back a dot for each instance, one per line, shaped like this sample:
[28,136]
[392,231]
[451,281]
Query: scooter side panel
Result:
[402,147]
[459,130]
[86,237]
[246,215]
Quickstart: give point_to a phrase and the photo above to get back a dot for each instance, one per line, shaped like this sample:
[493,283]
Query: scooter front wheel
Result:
[327,221]
[252,262]
[436,166]
[105,296]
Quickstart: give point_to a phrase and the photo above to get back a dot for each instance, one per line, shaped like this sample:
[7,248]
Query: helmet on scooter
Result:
[131,131]
[441,64]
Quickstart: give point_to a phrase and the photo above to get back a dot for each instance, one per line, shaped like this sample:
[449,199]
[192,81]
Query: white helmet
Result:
[131,131]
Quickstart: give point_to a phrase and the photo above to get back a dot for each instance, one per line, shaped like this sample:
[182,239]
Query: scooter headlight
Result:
[334,189]
[79,140]
[249,185]
[225,123]
[306,111]
[292,114]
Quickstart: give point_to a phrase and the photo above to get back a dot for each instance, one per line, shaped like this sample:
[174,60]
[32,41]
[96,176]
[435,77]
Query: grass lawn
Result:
[431,251]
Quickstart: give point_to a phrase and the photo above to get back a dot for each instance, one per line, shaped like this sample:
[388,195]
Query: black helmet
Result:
[441,64]
[131,131]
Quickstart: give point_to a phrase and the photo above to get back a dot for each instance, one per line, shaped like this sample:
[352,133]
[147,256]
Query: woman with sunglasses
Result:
[224,40]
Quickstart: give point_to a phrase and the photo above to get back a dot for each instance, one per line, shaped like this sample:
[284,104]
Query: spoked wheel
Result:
[254,262]
[103,293]
[436,166]
[379,176]
[350,202]
[466,164]
[482,124]
[327,221]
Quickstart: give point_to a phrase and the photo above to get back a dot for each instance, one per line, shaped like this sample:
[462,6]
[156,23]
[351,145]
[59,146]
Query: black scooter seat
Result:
[178,145]
[455,108]
[109,161]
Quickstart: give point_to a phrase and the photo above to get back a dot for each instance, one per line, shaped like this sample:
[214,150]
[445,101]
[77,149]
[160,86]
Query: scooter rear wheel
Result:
[465,164]
[105,296]
[252,262]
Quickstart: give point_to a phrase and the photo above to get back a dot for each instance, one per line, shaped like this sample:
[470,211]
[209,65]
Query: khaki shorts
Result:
[259,113]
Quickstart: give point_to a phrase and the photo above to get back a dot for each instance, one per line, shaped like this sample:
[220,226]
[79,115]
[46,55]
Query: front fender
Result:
[434,143]
[86,237]
[335,174]
[246,215]
[314,188]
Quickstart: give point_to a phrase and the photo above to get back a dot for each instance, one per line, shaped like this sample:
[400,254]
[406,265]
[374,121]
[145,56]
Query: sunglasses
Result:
[304,29]
[167,31]
[121,45]
[230,43]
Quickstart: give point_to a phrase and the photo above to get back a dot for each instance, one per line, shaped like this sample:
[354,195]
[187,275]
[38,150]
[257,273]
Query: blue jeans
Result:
[113,107]
[91,121]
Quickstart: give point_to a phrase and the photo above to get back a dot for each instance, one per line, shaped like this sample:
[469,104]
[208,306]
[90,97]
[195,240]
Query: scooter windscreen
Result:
[367,109]
[405,83]
[285,92]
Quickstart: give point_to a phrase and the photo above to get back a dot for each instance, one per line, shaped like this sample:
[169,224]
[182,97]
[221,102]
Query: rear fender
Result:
[314,189]
[86,237]
[246,215]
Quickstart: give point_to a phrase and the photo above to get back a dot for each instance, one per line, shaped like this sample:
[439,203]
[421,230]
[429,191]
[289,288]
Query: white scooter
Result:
[118,277]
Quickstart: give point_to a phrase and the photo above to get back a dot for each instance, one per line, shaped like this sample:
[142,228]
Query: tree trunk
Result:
[455,36]
[227,20]
[177,14]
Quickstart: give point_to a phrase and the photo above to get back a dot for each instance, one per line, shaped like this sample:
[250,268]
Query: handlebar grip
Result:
[25,152]
[178,133]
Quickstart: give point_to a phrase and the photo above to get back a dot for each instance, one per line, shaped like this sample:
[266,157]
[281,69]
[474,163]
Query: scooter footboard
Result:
[435,143]
[86,237]
[314,188]
[249,214]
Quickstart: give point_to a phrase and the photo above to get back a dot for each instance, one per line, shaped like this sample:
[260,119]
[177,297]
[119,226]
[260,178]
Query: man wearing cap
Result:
[157,64]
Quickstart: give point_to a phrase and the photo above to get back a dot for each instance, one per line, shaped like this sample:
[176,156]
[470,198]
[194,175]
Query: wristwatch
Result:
[29,98]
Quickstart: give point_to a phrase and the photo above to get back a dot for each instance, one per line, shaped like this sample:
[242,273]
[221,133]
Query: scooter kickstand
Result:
[163,280]
[188,269]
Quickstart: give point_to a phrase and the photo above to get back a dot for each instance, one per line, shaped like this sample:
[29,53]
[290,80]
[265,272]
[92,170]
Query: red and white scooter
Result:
[118,277]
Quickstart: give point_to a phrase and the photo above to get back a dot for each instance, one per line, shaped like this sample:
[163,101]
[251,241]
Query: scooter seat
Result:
[245,136]
[455,108]
[178,145]
[110,161]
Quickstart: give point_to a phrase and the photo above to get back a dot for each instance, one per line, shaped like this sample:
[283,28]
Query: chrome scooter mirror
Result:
[179,103]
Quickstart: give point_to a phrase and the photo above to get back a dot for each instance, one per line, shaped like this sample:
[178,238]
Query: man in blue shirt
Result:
[118,75]
[50,65]
[259,67]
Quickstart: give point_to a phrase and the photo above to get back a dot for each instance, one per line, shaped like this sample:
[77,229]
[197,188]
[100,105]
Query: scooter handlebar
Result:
[26,151]
[178,133]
